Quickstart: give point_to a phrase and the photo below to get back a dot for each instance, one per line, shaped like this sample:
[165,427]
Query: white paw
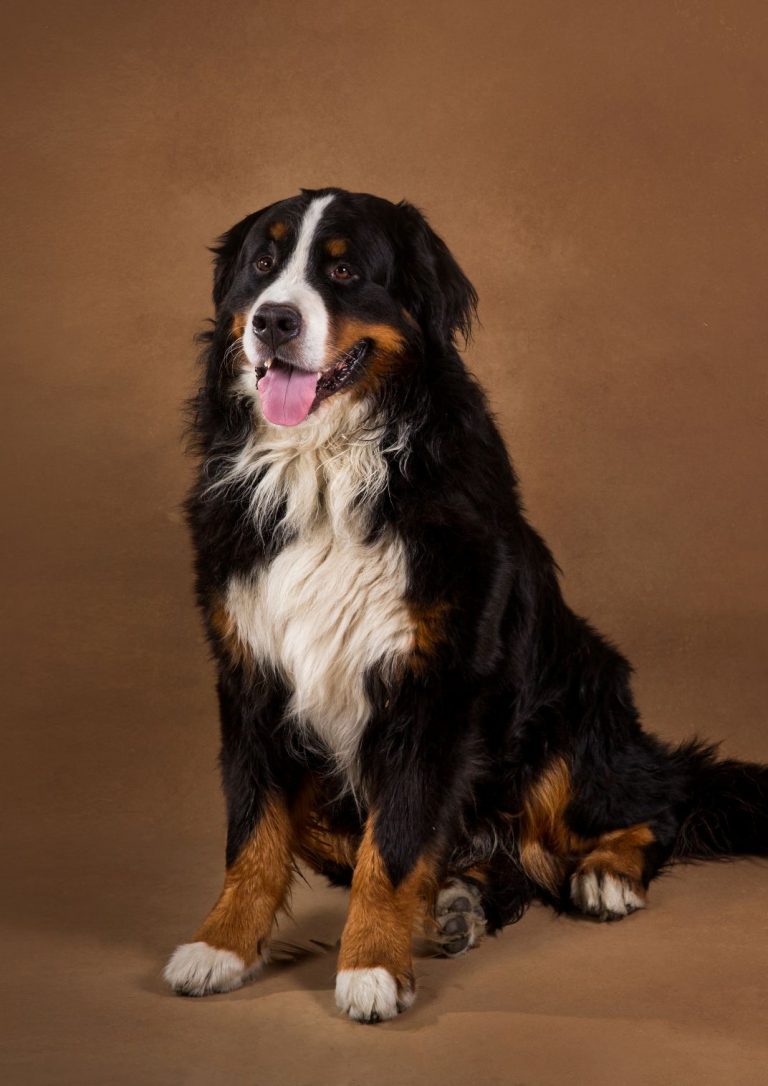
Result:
[605,895]
[370,995]
[197,969]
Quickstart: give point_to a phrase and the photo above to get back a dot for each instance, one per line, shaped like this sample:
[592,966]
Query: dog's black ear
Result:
[226,253]
[435,289]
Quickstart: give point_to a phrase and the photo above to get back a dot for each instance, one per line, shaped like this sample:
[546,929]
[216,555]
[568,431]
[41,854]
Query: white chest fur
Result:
[329,607]
[323,613]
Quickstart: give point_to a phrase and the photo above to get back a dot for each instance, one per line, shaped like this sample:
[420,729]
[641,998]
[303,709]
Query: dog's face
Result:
[331,292]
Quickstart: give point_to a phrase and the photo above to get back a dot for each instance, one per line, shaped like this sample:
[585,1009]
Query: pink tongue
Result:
[287,394]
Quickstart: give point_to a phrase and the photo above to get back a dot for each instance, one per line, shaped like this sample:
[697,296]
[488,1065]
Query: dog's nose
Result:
[276,324]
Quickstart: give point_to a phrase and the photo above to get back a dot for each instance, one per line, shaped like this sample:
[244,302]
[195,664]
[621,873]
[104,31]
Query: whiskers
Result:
[232,352]
[342,357]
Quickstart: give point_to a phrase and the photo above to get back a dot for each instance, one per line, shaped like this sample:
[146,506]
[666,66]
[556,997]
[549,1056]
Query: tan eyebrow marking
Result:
[336,247]
[278,230]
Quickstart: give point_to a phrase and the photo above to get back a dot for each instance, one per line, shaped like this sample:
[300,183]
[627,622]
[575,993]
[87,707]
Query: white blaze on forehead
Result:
[291,287]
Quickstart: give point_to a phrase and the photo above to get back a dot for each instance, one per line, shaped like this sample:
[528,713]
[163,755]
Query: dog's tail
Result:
[726,806]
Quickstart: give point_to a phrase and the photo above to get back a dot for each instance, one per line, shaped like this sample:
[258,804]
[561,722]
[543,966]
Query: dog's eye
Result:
[342,273]
[265,262]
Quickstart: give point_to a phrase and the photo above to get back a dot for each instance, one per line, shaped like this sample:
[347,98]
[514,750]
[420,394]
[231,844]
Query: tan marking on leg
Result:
[620,852]
[545,840]
[550,850]
[381,918]
[318,846]
[255,887]
[314,841]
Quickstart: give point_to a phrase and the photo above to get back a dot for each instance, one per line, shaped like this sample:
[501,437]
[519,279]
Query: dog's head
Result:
[331,292]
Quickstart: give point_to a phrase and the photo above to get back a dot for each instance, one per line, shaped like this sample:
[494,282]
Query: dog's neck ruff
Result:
[331,468]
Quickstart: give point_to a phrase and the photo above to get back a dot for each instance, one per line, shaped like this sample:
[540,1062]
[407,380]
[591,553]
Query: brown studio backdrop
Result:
[599,169]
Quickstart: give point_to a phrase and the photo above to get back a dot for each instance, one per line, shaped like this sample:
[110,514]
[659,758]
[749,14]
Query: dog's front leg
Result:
[416,769]
[231,943]
[375,976]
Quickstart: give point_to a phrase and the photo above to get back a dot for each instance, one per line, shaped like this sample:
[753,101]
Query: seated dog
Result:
[407,704]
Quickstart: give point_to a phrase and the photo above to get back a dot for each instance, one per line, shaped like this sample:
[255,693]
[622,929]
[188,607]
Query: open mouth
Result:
[288,394]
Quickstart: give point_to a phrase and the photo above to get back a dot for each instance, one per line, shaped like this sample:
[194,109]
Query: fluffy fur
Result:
[197,969]
[367,995]
[398,672]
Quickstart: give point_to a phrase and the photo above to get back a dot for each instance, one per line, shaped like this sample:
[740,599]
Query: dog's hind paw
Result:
[459,917]
[605,895]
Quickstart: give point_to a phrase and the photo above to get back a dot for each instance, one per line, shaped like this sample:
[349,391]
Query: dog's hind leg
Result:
[603,874]
[328,853]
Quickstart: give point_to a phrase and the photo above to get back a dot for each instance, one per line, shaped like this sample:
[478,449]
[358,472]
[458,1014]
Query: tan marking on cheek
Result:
[238,325]
[386,339]
[278,230]
[255,887]
[381,918]
[385,355]
[336,247]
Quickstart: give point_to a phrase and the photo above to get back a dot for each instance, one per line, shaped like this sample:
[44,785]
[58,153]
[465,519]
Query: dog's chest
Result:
[323,613]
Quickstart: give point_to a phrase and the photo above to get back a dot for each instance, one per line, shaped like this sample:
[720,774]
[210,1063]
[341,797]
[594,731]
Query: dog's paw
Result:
[606,895]
[459,917]
[197,969]
[372,995]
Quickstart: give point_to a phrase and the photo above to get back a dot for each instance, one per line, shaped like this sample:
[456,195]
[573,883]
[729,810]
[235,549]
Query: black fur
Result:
[451,750]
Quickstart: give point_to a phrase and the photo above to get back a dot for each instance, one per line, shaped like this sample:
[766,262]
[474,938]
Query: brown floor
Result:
[600,171]
[674,995]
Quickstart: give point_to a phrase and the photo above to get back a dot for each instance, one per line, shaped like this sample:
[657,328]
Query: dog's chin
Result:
[290,393]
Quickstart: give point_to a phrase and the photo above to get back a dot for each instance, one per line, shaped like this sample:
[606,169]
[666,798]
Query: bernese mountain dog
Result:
[408,705]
